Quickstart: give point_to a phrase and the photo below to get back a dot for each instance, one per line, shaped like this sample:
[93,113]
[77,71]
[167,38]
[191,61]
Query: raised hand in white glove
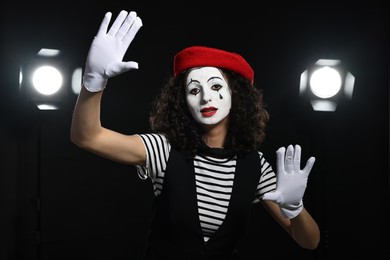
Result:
[291,181]
[105,57]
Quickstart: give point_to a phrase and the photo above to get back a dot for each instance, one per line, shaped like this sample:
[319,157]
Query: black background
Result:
[93,208]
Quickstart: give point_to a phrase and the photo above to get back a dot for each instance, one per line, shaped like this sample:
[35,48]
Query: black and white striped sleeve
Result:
[157,152]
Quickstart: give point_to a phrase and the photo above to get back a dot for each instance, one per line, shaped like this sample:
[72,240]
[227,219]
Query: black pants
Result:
[152,254]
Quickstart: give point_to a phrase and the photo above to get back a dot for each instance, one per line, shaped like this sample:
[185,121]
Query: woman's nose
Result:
[206,97]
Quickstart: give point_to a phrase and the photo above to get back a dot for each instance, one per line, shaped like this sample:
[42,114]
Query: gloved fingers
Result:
[117,23]
[309,165]
[104,25]
[289,167]
[129,65]
[297,158]
[136,25]
[126,25]
[274,196]
[280,159]
[115,69]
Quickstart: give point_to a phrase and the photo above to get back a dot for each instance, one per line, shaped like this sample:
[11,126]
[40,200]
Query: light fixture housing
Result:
[325,84]
[47,79]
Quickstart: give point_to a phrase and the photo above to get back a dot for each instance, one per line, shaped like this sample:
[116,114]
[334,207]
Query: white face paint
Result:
[208,95]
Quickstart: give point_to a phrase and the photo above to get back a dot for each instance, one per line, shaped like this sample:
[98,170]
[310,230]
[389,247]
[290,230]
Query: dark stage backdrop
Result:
[93,208]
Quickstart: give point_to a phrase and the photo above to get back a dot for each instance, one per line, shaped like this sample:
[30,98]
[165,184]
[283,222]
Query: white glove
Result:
[291,180]
[107,50]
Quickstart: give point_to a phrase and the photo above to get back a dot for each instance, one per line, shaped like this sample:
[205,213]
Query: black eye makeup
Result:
[194,91]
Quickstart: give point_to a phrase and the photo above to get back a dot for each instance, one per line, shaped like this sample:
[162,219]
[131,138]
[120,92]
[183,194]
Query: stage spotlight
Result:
[326,84]
[49,79]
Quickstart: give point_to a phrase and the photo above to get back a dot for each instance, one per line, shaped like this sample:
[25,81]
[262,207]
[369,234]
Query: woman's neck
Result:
[214,136]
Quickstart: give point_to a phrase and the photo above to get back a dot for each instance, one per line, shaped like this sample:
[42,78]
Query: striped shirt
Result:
[214,180]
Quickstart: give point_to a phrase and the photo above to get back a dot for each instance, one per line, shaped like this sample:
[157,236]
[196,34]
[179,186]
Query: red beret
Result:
[201,56]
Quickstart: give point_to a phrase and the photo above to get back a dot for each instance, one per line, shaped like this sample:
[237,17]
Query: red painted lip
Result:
[208,111]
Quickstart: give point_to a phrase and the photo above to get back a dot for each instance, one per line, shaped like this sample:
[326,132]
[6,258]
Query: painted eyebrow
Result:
[192,81]
[196,81]
[214,78]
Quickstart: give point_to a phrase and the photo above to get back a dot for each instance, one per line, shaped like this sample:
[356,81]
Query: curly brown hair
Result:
[247,119]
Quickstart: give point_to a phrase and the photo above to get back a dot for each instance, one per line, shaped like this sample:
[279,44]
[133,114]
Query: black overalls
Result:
[176,232]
